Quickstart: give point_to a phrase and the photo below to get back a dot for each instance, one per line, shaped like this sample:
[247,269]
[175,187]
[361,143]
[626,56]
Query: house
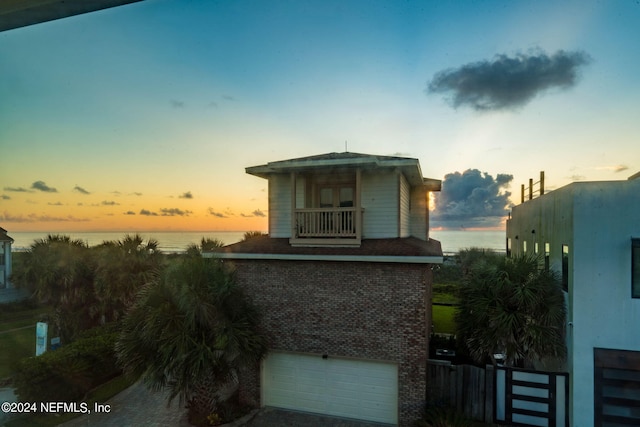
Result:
[589,232]
[344,282]
[5,259]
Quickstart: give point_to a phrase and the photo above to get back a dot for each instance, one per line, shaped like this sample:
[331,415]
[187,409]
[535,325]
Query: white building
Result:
[589,232]
[5,259]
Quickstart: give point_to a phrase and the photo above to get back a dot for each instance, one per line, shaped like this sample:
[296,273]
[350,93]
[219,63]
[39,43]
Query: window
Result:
[635,268]
[524,246]
[535,248]
[336,197]
[547,254]
[565,267]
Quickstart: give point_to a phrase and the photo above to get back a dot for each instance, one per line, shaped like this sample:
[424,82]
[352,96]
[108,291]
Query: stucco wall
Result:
[597,221]
[370,311]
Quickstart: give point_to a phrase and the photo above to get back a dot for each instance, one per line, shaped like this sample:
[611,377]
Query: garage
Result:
[350,388]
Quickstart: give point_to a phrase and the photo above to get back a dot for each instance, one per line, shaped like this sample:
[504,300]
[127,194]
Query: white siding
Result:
[380,203]
[280,206]
[405,220]
[419,213]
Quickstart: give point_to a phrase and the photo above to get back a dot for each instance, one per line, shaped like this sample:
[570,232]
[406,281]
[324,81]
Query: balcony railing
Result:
[326,223]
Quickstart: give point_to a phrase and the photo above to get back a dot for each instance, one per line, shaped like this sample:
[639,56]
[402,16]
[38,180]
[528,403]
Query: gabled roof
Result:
[410,167]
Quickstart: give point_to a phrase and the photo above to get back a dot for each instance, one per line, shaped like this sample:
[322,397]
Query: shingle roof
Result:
[400,247]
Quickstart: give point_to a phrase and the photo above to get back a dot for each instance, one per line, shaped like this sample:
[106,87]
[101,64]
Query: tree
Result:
[59,271]
[191,331]
[510,306]
[122,267]
[206,245]
[248,235]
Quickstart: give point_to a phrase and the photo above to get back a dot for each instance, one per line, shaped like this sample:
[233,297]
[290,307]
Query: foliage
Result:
[191,331]
[59,271]
[121,269]
[86,286]
[510,306]
[68,373]
[206,245]
[253,234]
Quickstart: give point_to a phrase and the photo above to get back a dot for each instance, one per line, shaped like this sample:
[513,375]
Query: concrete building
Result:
[589,232]
[344,281]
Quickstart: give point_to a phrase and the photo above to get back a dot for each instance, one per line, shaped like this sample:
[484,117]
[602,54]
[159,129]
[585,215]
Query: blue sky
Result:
[125,111]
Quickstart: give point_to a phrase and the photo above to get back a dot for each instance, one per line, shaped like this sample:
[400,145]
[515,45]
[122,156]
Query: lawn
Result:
[18,333]
[442,318]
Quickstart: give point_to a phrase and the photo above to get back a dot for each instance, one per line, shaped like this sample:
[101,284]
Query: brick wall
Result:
[377,311]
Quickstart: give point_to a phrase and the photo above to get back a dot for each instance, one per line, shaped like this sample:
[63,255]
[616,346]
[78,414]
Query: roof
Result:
[410,167]
[409,249]
[20,13]
[4,237]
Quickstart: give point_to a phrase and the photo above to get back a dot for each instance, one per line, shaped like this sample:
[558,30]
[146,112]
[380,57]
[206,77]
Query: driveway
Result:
[271,417]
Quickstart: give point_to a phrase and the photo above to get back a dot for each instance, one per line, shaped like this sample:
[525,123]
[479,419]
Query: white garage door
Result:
[365,390]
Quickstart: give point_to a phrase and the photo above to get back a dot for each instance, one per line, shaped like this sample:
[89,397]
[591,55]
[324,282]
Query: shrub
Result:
[68,373]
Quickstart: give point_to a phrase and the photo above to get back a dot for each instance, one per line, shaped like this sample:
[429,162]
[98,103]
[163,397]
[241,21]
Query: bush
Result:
[67,374]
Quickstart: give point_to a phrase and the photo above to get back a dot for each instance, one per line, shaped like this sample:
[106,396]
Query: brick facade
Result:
[364,310]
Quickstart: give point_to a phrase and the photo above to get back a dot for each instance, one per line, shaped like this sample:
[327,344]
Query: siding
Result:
[280,206]
[419,215]
[380,203]
[405,219]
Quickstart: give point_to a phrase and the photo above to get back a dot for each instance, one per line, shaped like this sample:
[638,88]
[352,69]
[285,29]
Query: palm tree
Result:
[122,268]
[191,331]
[59,271]
[510,306]
[206,245]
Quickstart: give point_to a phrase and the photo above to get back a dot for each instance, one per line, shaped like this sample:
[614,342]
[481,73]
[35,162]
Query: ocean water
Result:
[177,241]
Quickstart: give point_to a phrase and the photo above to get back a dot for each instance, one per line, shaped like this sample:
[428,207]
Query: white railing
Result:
[326,222]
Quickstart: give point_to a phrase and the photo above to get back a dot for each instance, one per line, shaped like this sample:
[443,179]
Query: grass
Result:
[442,318]
[100,395]
[18,333]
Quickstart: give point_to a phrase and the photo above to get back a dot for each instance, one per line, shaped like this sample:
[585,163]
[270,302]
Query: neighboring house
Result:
[5,259]
[344,282]
[589,232]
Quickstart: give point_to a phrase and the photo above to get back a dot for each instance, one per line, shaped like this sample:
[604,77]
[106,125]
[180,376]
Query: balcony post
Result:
[358,212]
[294,232]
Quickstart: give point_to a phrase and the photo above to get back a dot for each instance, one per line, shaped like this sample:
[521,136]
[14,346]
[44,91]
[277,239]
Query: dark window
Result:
[635,268]
[547,253]
[565,267]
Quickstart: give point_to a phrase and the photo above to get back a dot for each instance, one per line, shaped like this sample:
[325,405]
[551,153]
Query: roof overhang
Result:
[344,258]
[409,167]
[21,13]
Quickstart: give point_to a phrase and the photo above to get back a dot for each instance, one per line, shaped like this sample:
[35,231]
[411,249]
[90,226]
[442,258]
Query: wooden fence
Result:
[500,395]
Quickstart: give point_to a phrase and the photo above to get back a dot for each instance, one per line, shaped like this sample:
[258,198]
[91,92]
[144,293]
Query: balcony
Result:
[332,226]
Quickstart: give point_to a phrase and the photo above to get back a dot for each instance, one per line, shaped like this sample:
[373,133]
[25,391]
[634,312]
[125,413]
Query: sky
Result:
[143,117]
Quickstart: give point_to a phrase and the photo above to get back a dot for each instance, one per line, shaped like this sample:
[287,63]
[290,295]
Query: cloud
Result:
[109,203]
[228,98]
[129,213]
[472,199]
[147,213]
[217,214]
[55,204]
[174,212]
[40,185]
[616,168]
[5,197]
[507,83]
[17,189]
[186,195]
[136,194]
[255,213]
[6,217]
[80,190]
[176,104]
